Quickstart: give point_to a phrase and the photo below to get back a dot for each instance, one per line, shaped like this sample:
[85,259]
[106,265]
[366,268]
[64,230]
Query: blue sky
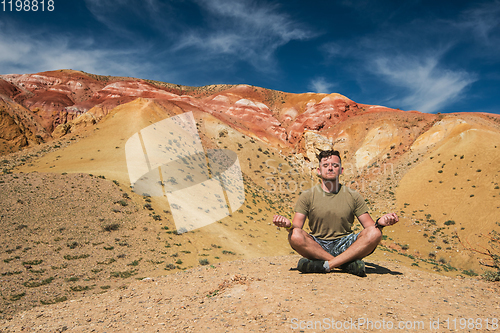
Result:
[430,56]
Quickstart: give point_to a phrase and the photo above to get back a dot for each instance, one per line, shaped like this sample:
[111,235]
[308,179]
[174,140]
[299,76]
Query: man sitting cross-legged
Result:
[330,208]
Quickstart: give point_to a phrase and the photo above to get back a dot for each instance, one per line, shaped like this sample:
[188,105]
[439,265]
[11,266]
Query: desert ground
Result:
[265,295]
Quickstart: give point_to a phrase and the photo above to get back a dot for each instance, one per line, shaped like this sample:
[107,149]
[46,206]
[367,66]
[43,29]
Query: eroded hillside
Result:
[65,132]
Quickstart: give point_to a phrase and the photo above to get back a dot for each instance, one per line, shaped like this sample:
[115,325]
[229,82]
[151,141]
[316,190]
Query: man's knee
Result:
[373,235]
[297,237]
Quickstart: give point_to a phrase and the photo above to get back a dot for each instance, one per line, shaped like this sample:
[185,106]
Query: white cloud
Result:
[428,86]
[420,65]
[260,19]
[481,27]
[104,12]
[27,53]
[321,85]
[483,20]
[333,49]
[243,30]
[124,16]
[226,33]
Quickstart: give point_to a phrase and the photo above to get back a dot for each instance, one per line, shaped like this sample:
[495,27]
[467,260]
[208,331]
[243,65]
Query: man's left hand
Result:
[388,219]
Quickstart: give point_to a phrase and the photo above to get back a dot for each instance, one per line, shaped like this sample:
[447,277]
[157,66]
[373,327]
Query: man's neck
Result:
[330,186]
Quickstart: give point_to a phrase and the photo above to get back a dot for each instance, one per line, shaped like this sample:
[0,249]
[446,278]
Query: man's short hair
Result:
[327,153]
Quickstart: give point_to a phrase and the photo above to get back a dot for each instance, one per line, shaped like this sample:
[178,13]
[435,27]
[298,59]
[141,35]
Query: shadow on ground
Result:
[372,268]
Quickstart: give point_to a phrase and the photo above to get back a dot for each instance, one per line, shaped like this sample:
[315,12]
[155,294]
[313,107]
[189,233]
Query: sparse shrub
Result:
[54,301]
[111,227]
[80,288]
[134,263]
[169,267]
[203,262]
[494,241]
[17,297]
[469,272]
[72,245]
[34,284]
[125,274]
[491,276]
[107,262]
[81,256]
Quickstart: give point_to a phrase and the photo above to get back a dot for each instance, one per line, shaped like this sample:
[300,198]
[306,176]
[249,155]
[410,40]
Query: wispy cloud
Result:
[131,19]
[202,35]
[416,61]
[483,21]
[428,86]
[57,52]
[243,29]
[321,85]
[480,26]
[332,49]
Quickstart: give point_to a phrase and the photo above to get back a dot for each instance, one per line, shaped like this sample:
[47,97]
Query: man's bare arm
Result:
[282,222]
[384,221]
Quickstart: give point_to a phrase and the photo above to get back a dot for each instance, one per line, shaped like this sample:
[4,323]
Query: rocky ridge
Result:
[69,98]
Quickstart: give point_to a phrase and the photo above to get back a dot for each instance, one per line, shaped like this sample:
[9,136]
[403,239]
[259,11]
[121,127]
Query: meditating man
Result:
[330,208]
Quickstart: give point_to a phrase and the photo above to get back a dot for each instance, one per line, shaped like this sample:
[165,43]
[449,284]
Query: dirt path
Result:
[265,295]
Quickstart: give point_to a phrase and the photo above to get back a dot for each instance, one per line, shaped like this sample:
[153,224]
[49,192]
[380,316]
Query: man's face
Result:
[330,168]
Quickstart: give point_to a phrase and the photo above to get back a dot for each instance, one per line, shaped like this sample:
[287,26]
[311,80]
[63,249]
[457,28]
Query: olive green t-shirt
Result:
[331,215]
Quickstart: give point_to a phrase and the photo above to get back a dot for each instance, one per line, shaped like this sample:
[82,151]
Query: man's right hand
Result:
[281,221]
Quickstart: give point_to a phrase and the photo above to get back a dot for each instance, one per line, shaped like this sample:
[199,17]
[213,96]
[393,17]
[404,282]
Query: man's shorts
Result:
[336,246]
